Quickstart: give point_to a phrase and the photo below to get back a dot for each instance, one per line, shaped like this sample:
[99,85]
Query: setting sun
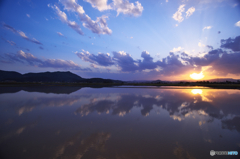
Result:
[197,76]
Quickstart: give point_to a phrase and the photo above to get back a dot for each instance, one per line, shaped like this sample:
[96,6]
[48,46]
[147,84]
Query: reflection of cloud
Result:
[200,123]
[18,131]
[96,141]
[181,153]
[179,104]
[32,103]
[208,140]
[232,124]
[70,142]
[121,106]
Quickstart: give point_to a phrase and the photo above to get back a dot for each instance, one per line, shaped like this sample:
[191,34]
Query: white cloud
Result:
[60,34]
[207,27]
[22,34]
[237,24]
[99,26]
[201,45]
[101,5]
[28,15]
[63,17]
[177,49]
[190,11]
[178,15]
[127,8]
[121,6]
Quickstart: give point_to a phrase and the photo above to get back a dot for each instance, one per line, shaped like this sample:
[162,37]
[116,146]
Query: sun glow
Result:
[197,76]
[197,91]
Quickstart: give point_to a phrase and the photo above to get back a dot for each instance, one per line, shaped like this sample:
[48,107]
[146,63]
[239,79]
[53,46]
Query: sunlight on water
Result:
[197,91]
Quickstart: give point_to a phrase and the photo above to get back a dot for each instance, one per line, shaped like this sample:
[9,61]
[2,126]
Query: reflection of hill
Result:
[41,89]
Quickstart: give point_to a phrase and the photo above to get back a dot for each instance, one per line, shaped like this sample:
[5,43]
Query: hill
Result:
[10,76]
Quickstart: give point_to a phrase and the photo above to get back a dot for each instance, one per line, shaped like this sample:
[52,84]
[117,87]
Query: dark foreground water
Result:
[118,123]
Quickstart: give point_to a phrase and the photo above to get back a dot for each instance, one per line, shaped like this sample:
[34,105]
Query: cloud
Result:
[190,11]
[147,62]
[201,45]
[220,62]
[231,43]
[210,47]
[121,6]
[60,34]
[125,7]
[207,27]
[178,15]
[101,5]
[63,17]
[22,34]
[29,58]
[100,59]
[99,26]
[28,15]
[178,49]
[11,42]
[125,61]
[237,24]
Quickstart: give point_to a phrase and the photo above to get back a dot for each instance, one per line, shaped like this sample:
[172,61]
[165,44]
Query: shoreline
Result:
[134,85]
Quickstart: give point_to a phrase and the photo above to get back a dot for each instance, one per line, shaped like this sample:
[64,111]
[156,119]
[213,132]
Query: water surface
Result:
[118,123]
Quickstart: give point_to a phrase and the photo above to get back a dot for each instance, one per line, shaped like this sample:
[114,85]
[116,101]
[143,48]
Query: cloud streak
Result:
[22,34]
[22,57]
[207,27]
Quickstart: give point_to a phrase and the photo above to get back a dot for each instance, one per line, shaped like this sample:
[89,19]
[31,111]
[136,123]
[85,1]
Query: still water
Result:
[118,123]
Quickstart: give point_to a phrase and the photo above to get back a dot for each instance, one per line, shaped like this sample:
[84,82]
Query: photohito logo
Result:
[212,153]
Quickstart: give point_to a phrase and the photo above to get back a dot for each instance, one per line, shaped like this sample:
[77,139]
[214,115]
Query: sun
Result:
[196,76]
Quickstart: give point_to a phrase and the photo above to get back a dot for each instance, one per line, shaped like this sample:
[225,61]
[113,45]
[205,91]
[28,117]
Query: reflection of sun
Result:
[197,76]
[197,91]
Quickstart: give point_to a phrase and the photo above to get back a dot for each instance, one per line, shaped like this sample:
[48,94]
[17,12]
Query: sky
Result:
[122,39]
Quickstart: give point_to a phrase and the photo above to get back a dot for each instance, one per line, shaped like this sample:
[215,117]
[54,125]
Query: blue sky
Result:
[122,39]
